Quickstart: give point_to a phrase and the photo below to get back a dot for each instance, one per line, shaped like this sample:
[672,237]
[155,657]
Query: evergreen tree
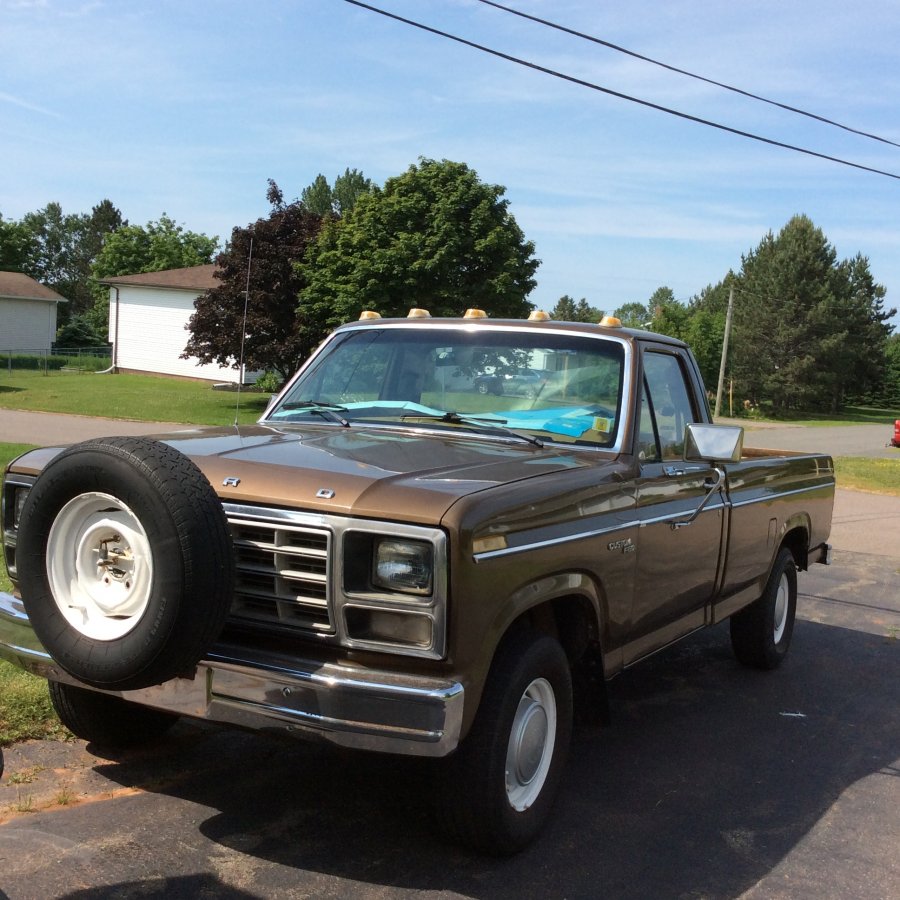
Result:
[567,310]
[805,326]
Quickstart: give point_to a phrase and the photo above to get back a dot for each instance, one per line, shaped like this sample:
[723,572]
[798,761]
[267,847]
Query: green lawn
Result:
[25,710]
[144,397]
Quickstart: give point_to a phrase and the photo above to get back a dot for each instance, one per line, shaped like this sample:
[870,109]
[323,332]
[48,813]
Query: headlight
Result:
[405,566]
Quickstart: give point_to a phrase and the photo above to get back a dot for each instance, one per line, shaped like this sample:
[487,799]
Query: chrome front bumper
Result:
[360,708]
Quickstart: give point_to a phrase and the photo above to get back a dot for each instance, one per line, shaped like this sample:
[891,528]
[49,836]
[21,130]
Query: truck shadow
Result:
[709,776]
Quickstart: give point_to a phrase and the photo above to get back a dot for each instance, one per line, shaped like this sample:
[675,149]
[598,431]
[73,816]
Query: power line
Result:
[604,90]
[671,68]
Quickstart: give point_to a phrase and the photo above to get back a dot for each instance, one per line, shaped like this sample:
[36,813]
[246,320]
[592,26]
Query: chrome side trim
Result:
[639,523]
[583,535]
[553,542]
[656,520]
[768,498]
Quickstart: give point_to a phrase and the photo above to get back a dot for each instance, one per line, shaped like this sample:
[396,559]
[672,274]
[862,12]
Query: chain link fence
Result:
[61,359]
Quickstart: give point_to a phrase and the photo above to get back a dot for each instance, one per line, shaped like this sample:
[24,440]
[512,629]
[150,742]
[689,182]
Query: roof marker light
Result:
[538,315]
[474,313]
[418,313]
[611,322]
[369,314]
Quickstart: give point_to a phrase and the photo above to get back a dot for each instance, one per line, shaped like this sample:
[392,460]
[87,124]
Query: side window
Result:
[648,446]
[669,402]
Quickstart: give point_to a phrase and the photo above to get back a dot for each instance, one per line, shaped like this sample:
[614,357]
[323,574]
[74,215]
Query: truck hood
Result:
[413,475]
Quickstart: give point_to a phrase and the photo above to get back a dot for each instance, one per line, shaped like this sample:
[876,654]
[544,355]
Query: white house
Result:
[27,313]
[148,317]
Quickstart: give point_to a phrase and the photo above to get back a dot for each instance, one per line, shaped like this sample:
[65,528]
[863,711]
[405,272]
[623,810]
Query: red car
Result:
[895,441]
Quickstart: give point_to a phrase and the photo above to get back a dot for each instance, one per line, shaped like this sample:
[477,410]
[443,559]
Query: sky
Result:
[187,108]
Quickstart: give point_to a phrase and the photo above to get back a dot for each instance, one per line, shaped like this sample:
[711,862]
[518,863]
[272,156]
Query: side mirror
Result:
[713,443]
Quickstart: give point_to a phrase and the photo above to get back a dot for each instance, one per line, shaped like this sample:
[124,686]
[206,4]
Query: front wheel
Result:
[105,720]
[496,791]
[761,633]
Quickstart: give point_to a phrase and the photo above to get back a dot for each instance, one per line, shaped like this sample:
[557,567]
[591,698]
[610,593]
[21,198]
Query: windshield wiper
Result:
[325,410]
[488,426]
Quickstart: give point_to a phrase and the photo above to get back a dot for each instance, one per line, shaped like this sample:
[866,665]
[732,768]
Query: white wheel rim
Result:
[99,566]
[781,607]
[531,743]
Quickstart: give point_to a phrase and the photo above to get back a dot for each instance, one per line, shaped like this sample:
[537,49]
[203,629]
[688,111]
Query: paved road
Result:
[713,782]
[45,429]
[837,440]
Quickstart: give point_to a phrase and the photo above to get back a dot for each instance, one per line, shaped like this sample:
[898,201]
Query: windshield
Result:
[554,387]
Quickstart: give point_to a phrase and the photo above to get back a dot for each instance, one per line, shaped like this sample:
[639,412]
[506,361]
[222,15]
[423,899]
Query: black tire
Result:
[761,633]
[108,721]
[476,805]
[125,562]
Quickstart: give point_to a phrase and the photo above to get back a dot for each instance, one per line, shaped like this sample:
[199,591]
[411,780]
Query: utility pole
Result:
[724,352]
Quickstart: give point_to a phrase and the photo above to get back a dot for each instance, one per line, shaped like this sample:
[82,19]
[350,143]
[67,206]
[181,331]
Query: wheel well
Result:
[797,541]
[572,621]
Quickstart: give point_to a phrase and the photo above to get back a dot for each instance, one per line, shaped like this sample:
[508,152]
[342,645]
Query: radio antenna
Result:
[237,404]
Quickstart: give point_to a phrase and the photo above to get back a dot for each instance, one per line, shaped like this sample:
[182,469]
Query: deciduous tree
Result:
[275,337]
[58,249]
[633,315]
[159,245]
[435,237]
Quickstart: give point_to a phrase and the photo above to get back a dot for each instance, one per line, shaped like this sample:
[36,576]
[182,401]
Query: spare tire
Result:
[124,562]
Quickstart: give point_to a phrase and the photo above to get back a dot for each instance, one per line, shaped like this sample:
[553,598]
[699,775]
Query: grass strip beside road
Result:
[25,710]
[858,473]
[850,415]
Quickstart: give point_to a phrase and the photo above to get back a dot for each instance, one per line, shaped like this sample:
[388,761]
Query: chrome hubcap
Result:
[531,743]
[781,607]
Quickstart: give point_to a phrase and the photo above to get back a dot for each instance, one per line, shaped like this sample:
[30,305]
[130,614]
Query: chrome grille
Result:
[282,575]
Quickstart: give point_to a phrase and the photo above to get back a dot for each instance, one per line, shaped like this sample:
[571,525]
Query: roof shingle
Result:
[193,278]
[16,286]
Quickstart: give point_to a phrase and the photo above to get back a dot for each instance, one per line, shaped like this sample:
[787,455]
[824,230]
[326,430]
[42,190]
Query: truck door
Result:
[676,567]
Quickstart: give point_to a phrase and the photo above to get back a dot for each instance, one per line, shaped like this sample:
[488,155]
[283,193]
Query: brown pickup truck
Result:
[442,537]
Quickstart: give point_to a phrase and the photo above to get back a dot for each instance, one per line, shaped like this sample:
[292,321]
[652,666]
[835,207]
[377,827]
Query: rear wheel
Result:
[761,633]
[497,790]
[105,720]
